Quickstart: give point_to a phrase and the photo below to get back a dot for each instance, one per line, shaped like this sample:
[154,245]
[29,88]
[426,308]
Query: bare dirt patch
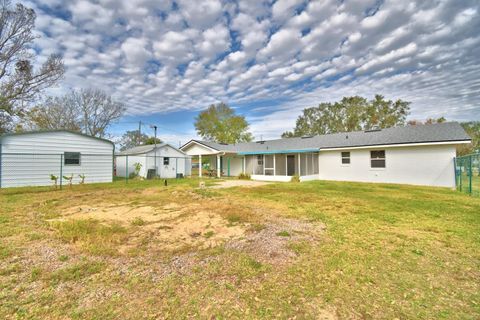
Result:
[239,183]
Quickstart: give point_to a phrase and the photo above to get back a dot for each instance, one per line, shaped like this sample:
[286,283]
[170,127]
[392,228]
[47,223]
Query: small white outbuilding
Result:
[30,158]
[169,161]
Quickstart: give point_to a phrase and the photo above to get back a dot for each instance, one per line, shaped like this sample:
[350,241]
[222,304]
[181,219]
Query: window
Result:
[166,161]
[345,157]
[377,159]
[71,158]
[260,160]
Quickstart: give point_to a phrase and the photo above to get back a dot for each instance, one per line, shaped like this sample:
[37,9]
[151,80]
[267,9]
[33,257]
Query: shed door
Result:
[290,165]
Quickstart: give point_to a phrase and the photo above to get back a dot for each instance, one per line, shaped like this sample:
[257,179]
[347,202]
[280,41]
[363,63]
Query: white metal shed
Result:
[29,158]
[168,160]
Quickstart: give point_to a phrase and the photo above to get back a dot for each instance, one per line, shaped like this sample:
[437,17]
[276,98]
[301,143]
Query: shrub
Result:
[54,178]
[295,178]
[69,179]
[244,176]
[82,178]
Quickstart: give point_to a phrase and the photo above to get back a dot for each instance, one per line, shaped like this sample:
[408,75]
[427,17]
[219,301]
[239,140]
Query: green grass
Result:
[388,251]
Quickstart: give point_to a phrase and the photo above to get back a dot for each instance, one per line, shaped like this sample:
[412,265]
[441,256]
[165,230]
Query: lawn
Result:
[317,249]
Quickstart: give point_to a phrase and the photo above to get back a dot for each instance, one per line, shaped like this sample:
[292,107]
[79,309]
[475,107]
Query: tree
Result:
[20,84]
[415,122]
[90,111]
[132,139]
[350,114]
[472,128]
[220,124]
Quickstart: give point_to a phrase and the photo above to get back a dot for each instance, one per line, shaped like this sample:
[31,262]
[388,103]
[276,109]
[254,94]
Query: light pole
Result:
[155,143]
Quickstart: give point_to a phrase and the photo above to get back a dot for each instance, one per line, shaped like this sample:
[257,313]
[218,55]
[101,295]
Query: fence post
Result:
[176,168]
[61,171]
[470,174]
[126,169]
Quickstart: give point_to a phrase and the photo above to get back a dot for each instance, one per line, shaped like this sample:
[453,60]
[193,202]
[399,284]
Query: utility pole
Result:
[155,143]
[139,132]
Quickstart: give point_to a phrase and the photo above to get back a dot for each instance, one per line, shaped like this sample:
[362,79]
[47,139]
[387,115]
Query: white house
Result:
[420,155]
[28,159]
[169,161]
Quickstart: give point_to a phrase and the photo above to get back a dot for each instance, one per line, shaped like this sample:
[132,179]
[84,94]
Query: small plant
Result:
[295,178]
[69,179]
[54,178]
[283,234]
[244,176]
[138,222]
[137,166]
[82,178]
[209,234]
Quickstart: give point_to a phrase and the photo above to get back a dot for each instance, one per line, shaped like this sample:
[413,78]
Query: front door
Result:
[290,165]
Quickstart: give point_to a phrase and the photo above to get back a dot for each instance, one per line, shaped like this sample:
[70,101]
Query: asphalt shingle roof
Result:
[441,132]
[140,149]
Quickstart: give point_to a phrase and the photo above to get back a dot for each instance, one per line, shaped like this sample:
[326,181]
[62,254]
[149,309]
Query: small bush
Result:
[244,176]
[295,178]
[138,222]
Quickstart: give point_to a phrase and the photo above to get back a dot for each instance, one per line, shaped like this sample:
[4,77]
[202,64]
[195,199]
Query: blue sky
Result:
[167,60]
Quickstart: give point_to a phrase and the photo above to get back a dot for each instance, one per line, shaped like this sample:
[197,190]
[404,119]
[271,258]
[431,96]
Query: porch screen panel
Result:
[280,165]
[315,163]
[268,158]
[258,164]
[303,164]
[249,164]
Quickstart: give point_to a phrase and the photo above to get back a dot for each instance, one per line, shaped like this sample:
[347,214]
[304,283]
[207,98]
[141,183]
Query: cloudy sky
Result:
[269,59]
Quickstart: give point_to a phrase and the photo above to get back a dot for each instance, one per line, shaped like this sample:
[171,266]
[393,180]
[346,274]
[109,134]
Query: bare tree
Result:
[19,82]
[88,110]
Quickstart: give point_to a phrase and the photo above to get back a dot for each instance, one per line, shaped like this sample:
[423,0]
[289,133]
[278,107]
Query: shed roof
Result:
[145,149]
[50,131]
[431,133]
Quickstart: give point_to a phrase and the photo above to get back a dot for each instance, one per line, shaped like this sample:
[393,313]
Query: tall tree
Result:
[415,122]
[91,111]
[132,139]
[350,114]
[473,130]
[20,84]
[220,124]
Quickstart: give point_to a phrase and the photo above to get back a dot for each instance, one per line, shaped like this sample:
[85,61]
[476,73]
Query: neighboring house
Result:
[168,160]
[28,159]
[421,155]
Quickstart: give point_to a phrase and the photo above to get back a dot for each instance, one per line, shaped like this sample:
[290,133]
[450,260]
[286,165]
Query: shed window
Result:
[345,157]
[377,158]
[71,158]
[166,161]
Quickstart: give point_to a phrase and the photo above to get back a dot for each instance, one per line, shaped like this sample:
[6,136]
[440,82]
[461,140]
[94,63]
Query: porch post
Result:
[299,163]
[274,169]
[263,157]
[199,165]
[244,165]
[218,166]
[286,164]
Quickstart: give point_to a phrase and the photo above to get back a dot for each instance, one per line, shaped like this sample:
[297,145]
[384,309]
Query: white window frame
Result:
[378,159]
[342,157]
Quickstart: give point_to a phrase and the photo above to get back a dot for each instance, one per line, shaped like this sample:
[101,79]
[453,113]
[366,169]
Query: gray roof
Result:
[140,149]
[49,131]
[431,133]
[145,149]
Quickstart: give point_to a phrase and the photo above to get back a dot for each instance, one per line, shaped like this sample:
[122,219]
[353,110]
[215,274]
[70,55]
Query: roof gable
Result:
[53,131]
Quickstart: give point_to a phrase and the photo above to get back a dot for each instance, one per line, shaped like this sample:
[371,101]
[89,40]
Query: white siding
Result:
[418,165]
[29,159]
[195,149]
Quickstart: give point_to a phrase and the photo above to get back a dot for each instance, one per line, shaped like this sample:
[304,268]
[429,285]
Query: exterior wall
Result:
[236,165]
[418,165]
[195,149]
[30,159]
[178,163]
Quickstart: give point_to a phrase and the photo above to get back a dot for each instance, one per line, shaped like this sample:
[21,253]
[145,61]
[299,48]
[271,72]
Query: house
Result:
[420,155]
[30,158]
[169,161]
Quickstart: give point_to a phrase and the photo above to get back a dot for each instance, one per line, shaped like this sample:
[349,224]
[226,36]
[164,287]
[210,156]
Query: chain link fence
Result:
[35,169]
[151,167]
[467,174]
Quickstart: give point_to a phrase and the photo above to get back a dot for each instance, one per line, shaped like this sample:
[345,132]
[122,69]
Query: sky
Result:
[168,60]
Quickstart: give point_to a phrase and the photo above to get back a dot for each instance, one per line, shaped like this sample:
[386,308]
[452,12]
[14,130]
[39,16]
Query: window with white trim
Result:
[346,157]
[377,159]
[71,158]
